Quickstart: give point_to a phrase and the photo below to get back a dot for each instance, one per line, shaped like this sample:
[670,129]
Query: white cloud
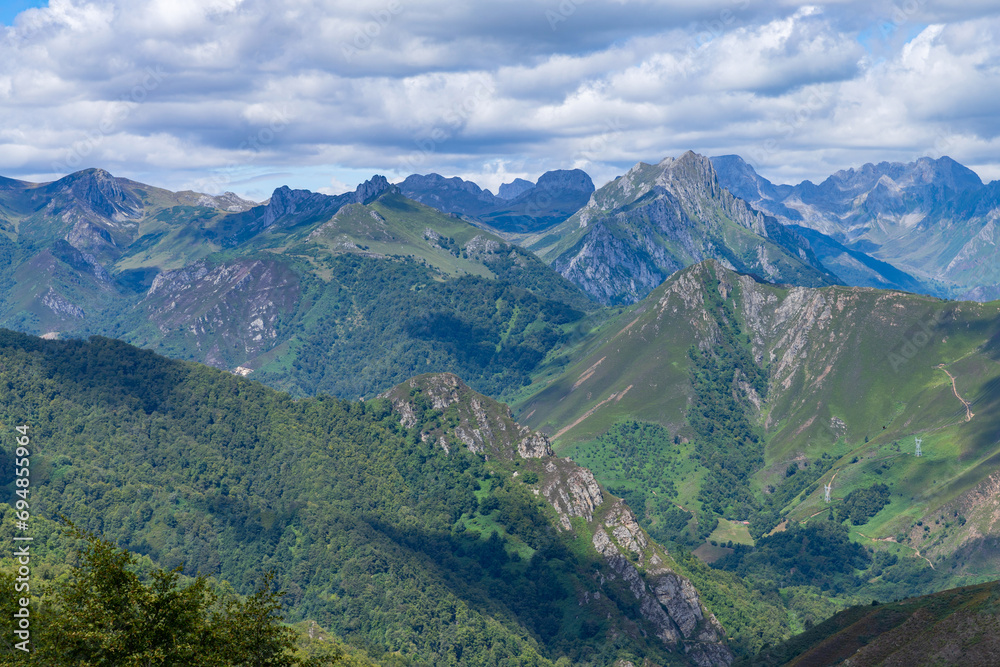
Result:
[240,91]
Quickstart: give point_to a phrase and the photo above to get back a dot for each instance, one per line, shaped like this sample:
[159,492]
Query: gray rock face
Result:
[535,446]
[286,202]
[667,600]
[371,189]
[657,219]
[101,193]
[572,491]
[566,179]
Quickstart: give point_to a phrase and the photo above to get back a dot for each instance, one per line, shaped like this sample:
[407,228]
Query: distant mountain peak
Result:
[101,192]
[372,189]
[566,179]
[515,188]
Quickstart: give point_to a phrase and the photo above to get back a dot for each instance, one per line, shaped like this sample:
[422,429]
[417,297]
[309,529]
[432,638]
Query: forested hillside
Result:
[401,524]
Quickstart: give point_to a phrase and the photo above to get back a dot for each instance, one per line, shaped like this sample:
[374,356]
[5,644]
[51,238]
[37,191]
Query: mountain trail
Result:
[613,397]
[893,540]
[954,387]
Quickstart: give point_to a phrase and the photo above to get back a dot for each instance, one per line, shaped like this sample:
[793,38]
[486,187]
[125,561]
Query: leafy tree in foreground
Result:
[107,615]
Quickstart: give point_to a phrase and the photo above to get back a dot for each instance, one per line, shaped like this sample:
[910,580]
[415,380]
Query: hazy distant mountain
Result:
[932,219]
[448,195]
[522,207]
[514,188]
[656,219]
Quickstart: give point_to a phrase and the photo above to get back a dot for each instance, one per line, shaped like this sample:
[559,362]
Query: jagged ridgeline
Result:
[425,526]
[654,220]
[347,294]
[722,408]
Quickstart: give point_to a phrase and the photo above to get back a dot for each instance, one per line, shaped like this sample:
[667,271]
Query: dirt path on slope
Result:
[954,387]
[893,540]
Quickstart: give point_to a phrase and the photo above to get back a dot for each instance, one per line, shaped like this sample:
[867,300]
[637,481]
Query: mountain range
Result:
[925,226]
[521,207]
[264,288]
[735,386]
[933,219]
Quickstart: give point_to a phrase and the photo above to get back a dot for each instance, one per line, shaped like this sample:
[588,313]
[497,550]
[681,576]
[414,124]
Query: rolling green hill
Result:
[954,627]
[765,394]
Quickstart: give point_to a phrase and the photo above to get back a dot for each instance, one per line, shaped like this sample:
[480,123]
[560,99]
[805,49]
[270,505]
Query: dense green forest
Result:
[365,524]
[861,505]
[726,442]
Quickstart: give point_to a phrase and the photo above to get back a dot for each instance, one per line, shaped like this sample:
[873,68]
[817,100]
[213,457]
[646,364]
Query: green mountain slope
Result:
[425,526]
[765,394]
[953,627]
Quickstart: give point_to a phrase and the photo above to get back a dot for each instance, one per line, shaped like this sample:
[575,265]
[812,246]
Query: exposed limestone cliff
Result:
[232,309]
[668,602]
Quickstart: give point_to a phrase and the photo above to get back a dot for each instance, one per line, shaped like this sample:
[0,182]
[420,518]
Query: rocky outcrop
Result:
[514,188]
[285,203]
[61,306]
[667,600]
[480,423]
[572,491]
[227,201]
[372,189]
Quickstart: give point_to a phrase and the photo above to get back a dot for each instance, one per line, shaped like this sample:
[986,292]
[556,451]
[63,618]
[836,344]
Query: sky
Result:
[249,95]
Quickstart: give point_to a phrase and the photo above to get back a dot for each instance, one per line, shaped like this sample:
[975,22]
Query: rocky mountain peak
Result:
[286,201]
[566,179]
[482,424]
[451,195]
[101,193]
[515,188]
[372,189]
